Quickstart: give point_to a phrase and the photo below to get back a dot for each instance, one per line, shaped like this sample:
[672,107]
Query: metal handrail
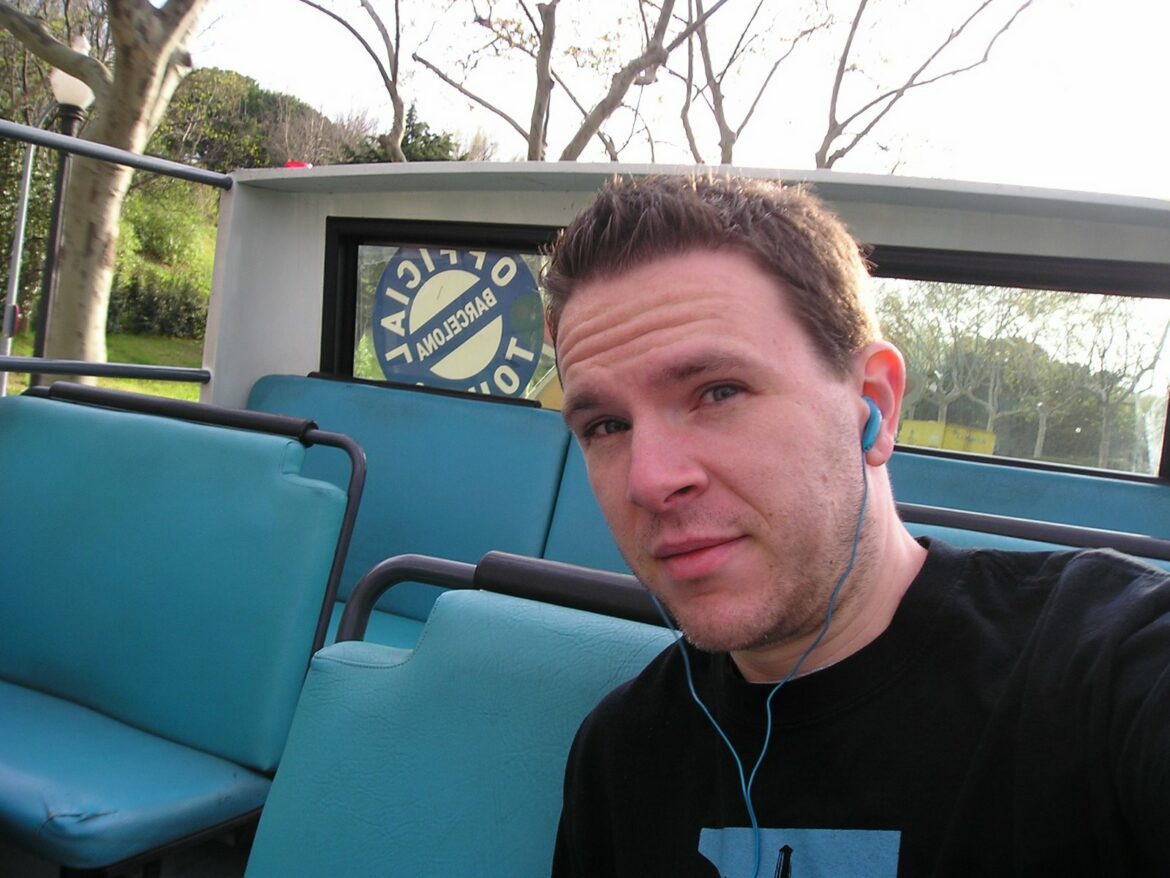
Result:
[105,370]
[39,366]
[1140,545]
[89,149]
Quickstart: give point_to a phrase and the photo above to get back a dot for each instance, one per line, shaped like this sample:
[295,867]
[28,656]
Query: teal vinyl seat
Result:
[447,759]
[162,585]
[450,476]
[1091,499]
[578,533]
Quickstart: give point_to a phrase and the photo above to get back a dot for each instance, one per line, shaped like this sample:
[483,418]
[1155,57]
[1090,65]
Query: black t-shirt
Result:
[1014,719]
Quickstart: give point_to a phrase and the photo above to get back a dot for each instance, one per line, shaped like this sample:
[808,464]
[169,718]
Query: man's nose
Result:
[663,469]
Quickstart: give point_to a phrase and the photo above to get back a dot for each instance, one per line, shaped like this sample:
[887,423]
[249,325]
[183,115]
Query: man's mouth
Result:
[695,558]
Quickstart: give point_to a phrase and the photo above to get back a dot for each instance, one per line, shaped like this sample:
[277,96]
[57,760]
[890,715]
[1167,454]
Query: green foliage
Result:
[165,254]
[216,121]
[25,97]
[157,301]
[222,120]
[419,144]
[173,222]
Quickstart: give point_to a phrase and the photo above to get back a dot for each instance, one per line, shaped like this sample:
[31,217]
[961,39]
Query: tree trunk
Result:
[537,126]
[151,61]
[1041,434]
[1104,448]
[89,239]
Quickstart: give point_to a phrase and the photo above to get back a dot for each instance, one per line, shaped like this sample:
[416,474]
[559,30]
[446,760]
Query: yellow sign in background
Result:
[934,434]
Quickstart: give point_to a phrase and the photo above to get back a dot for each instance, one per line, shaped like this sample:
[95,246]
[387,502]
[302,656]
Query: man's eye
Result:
[720,392]
[605,427]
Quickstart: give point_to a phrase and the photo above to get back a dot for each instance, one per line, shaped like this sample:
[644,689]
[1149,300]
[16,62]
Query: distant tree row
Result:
[1056,376]
[222,120]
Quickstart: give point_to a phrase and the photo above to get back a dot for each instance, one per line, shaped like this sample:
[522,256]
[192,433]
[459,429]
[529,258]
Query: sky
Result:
[1073,97]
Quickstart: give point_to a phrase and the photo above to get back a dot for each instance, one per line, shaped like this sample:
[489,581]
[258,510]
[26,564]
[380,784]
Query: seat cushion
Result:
[179,590]
[84,790]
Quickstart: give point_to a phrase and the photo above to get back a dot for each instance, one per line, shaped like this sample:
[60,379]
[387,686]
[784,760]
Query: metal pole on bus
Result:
[14,259]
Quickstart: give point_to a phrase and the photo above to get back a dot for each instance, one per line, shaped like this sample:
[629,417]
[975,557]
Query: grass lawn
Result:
[150,350]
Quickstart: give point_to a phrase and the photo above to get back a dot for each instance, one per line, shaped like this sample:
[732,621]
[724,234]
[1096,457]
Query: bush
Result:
[165,253]
[156,301]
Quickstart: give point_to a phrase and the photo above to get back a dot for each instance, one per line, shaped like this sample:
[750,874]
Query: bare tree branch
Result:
[803,35]
[726,139]
[685,112]
[842,66]
[606,140]
[692,27]
[390,45]
[542,99]
[741,43]
[486,22]
[654,55]
[713,89]
[392,142]
[531,18]
[471,95]
[891,97]
[510,33]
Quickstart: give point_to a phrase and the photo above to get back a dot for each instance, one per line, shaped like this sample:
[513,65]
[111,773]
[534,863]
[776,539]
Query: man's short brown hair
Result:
[784,229]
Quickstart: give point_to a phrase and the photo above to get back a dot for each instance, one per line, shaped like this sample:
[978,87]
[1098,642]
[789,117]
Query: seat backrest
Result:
[448,759]
[578,533]
[165,573]
[1082,499]
[452,477]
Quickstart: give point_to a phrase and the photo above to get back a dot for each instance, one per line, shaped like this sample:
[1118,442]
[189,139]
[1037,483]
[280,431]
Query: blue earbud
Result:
[872,426]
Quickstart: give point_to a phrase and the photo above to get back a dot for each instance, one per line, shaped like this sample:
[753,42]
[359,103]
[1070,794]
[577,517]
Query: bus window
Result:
[1061,377]
[439,306]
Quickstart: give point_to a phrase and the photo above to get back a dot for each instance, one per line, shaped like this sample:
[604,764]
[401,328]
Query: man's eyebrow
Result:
[577,404]
[702,364]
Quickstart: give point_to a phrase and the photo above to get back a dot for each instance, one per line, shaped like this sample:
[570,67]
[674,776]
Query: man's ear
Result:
[881,375]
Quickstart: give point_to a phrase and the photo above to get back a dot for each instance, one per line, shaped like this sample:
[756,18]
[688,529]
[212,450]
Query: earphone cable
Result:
[746,784]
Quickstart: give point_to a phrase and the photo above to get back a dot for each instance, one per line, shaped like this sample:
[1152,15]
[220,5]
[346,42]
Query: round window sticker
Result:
[459,319]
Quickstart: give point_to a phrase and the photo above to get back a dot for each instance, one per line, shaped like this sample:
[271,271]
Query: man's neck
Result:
[856,623]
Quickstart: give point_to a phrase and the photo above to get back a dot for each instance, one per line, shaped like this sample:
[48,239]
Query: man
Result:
[848,700]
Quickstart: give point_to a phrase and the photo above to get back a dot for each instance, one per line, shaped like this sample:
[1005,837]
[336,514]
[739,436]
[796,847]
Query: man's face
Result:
[724,452]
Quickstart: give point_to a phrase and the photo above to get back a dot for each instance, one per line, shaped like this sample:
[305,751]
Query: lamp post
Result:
[73,98]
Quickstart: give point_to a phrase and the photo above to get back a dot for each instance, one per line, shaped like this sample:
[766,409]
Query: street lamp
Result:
[73,98]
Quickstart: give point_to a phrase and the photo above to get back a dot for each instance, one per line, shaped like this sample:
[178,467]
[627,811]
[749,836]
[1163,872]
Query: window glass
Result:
[1062,377]
[460,318]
